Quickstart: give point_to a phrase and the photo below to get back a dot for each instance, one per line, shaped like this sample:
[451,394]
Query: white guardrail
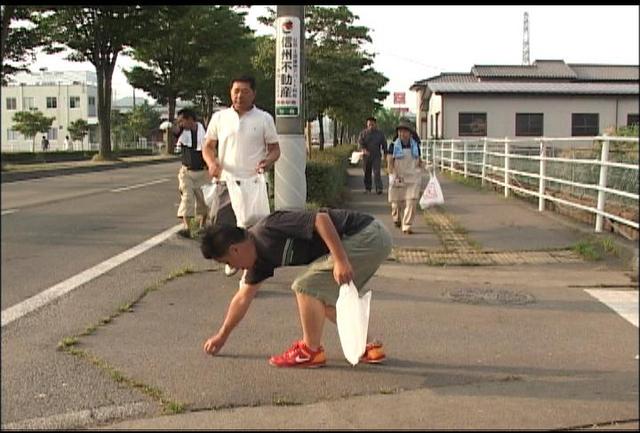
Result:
[507,161]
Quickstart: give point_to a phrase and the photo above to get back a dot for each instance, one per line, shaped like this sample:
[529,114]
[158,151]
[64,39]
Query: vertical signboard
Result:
[288,66]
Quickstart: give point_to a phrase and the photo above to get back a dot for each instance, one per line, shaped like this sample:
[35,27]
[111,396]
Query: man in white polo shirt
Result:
[240,141]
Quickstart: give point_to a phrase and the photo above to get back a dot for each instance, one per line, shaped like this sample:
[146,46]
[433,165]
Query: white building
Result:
[548,98]
[67,96]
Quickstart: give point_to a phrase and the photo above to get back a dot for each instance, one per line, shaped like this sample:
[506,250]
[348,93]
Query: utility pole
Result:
[290,180]
[525,40]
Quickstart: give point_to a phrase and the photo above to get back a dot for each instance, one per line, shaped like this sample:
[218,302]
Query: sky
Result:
[412,43]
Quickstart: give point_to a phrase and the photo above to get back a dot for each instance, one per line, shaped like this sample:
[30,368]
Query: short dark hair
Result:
[245,79]
[187,112]
[372,119]
[217,239]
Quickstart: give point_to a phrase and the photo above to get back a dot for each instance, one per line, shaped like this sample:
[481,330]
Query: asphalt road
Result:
[52,229]
[56,227]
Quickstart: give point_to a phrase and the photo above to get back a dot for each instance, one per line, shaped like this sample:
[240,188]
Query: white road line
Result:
[8,211]
[623,302]
[126,188]
[17,311]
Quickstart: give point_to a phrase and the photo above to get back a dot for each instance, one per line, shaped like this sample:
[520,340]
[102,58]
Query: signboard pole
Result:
[290,180]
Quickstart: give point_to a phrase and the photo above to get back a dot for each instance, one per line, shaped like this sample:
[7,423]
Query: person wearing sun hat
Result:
[405,176]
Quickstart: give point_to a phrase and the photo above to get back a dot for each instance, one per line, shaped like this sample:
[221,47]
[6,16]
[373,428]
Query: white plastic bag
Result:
[355,157]
[210,193]
[432,194]
[249,199]
[352,319]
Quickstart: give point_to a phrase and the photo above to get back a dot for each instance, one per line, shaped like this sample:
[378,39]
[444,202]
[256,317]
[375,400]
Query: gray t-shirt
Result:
[288,238]
[374,141]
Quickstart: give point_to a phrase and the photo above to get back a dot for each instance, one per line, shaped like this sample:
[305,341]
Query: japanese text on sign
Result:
[288,66]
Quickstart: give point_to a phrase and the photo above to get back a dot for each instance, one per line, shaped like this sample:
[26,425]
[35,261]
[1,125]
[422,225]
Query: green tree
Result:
[223,58]
[190,52]
[78,129]
[387,121]
[264,66]
[120,129]
[29,123]
[143,119]
[340,81]
[20,37]
[97,34]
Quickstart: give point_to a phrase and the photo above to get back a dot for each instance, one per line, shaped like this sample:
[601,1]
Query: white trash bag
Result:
[210,193]
[355,157]
[352,319]
[432,194]
[249,199]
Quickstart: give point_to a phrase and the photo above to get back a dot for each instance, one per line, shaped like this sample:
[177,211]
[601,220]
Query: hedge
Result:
[326,175]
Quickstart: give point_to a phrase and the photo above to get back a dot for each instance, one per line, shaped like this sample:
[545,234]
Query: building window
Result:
[585,124]
[633,119]
[52,134]
[438,135]
[28,103]
[12,104]
[529,124]
[12,135]
[92,106]
[74,102]
[474,124]
[431,125]
[52,102]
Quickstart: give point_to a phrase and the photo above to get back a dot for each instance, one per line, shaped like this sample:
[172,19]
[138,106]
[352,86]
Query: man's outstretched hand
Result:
[214,344]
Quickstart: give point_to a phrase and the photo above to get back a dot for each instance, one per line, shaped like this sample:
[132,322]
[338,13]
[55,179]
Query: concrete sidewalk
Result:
[16,172]
[498,346]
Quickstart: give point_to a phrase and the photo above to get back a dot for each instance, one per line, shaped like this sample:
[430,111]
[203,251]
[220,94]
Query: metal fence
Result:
[58,145]
[586,173]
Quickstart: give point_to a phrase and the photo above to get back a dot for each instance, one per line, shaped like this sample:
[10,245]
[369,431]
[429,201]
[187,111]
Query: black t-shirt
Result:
[288,238]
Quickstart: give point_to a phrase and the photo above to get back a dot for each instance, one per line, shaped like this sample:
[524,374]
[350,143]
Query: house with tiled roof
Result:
[547,98]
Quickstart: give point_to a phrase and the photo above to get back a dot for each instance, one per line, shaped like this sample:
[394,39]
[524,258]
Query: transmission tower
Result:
[525,40]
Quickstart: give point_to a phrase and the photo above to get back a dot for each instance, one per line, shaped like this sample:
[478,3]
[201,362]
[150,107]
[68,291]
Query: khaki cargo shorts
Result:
[366,250]
[191,196]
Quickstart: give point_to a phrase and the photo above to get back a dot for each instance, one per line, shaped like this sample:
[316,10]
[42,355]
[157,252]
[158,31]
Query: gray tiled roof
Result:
[539,69]
[446,77]
[538,87]
[606,72]
[574,78]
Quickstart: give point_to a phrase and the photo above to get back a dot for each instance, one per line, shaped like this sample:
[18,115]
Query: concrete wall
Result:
[501,111]
[435,107]
[63,113]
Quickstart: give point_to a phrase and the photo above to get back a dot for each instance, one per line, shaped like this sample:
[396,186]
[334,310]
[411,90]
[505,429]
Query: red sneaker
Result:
[299,355]
[373,353]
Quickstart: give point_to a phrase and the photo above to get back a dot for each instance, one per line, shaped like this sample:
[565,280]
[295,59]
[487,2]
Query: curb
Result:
[7,177]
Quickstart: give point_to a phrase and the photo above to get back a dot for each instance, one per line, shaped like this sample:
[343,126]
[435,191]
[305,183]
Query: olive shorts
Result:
[366,250]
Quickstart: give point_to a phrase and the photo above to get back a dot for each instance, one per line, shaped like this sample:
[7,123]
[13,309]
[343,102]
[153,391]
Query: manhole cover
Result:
[490,296]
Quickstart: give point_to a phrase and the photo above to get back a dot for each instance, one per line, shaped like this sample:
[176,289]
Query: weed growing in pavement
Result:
[594,248]
[284,401]
[587,250]
[68,344]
